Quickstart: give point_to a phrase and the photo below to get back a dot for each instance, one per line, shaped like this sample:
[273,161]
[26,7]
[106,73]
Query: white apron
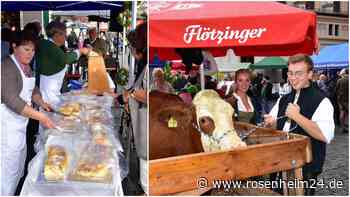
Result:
[50,86]
[13,139]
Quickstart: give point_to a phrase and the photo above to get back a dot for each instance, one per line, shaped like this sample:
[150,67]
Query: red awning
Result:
[250,28]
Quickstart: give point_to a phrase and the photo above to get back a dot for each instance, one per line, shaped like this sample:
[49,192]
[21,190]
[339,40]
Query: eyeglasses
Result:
[296,74]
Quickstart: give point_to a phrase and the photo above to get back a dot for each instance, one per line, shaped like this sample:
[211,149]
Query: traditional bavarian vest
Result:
[309,100]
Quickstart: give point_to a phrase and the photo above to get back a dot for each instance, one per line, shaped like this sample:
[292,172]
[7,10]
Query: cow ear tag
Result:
[172,123]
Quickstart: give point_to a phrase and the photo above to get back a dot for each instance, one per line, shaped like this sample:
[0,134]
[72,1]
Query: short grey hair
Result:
[55,27]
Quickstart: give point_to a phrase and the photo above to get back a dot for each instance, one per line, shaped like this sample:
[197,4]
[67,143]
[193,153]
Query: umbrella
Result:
[332,57]
[250,28]
[270,63]
[60,5]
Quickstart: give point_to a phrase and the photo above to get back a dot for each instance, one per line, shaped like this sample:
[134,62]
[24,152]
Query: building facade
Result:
[332,19]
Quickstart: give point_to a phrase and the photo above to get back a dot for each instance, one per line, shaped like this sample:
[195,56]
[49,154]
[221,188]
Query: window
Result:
[336,6]
[330,29]
[310,5]
[326,6]
[336,30]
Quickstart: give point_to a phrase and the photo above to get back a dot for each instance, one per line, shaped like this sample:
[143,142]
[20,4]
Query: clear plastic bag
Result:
[59,154]
[96,164]
[103,135]
[33,187]
[70,109]
[93,116]
[68,125]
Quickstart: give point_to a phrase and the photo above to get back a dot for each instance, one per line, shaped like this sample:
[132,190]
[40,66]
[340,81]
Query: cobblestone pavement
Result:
[336,167]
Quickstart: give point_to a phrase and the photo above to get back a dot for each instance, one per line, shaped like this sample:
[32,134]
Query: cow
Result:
[214,117]
[176,128]
[179,139]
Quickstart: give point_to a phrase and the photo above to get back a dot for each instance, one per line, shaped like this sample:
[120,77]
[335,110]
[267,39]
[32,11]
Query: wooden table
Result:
[270,151]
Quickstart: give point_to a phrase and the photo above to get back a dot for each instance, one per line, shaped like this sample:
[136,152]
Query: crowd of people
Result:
[262,93]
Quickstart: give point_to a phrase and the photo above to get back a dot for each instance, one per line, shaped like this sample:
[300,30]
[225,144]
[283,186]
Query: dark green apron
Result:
[245,116]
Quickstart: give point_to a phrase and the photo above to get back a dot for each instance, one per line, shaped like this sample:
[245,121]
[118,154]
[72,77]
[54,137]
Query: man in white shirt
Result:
[305,111]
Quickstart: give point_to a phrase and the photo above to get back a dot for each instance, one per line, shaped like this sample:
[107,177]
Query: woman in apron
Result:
[243,105]
[17,93]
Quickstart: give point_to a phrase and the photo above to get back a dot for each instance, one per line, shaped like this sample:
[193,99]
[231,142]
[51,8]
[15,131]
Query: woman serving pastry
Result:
[17,92]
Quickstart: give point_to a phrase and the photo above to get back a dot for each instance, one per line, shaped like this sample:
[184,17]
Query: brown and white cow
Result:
[212,110]
[176,128]
[180,139]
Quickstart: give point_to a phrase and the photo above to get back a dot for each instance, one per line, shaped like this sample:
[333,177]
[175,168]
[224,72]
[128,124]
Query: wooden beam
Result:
[298,174]
[181,173]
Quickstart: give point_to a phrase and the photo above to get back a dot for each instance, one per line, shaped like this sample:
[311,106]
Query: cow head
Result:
[171,130]
[214,120]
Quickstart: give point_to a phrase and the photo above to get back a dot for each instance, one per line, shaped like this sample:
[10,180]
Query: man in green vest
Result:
[52,60]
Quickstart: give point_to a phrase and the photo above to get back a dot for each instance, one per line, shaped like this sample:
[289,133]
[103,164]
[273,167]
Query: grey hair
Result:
[55,27]
[157,70]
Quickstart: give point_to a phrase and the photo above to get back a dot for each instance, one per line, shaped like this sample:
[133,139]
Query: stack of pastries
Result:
[56,163]
[71,109]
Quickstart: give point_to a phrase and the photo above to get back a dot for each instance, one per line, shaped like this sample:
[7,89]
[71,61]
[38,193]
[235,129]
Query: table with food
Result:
[82,155]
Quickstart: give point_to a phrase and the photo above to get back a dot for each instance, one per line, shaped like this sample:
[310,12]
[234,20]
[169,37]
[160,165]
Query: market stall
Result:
[249,30]
[83,154]
[332,57]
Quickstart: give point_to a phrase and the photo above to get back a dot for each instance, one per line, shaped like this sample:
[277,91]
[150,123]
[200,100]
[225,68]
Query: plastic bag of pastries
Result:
[56,163]
[95,164]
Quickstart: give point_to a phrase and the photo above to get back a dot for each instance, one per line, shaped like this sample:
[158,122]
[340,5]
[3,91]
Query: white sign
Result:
[186,6]
[201,33]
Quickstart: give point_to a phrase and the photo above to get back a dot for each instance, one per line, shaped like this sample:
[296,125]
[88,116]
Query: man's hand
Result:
[292,110]
[139,95]
[269,121]
[46,107]
[84,51]
[46,121]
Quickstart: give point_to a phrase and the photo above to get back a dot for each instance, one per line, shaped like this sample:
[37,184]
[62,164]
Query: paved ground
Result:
[131,186]
[336,166]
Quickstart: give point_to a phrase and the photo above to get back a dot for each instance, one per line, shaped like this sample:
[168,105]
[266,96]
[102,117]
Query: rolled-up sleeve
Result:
[323,117]
[36,91]
[10,89]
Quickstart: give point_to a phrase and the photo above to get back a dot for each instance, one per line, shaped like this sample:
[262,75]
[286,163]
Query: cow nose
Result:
[207,125]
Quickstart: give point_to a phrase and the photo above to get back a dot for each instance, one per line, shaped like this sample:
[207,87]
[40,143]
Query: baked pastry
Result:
[99,135]
[93,171]
[56,163]
[101,138]
[94,165]
[71,109]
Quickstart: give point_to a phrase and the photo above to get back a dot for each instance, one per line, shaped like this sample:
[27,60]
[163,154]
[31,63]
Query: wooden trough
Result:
[268,151]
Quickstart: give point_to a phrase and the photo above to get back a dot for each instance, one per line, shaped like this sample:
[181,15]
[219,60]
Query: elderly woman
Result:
[159,83]
[137,98]
[244,107]
[17,92]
